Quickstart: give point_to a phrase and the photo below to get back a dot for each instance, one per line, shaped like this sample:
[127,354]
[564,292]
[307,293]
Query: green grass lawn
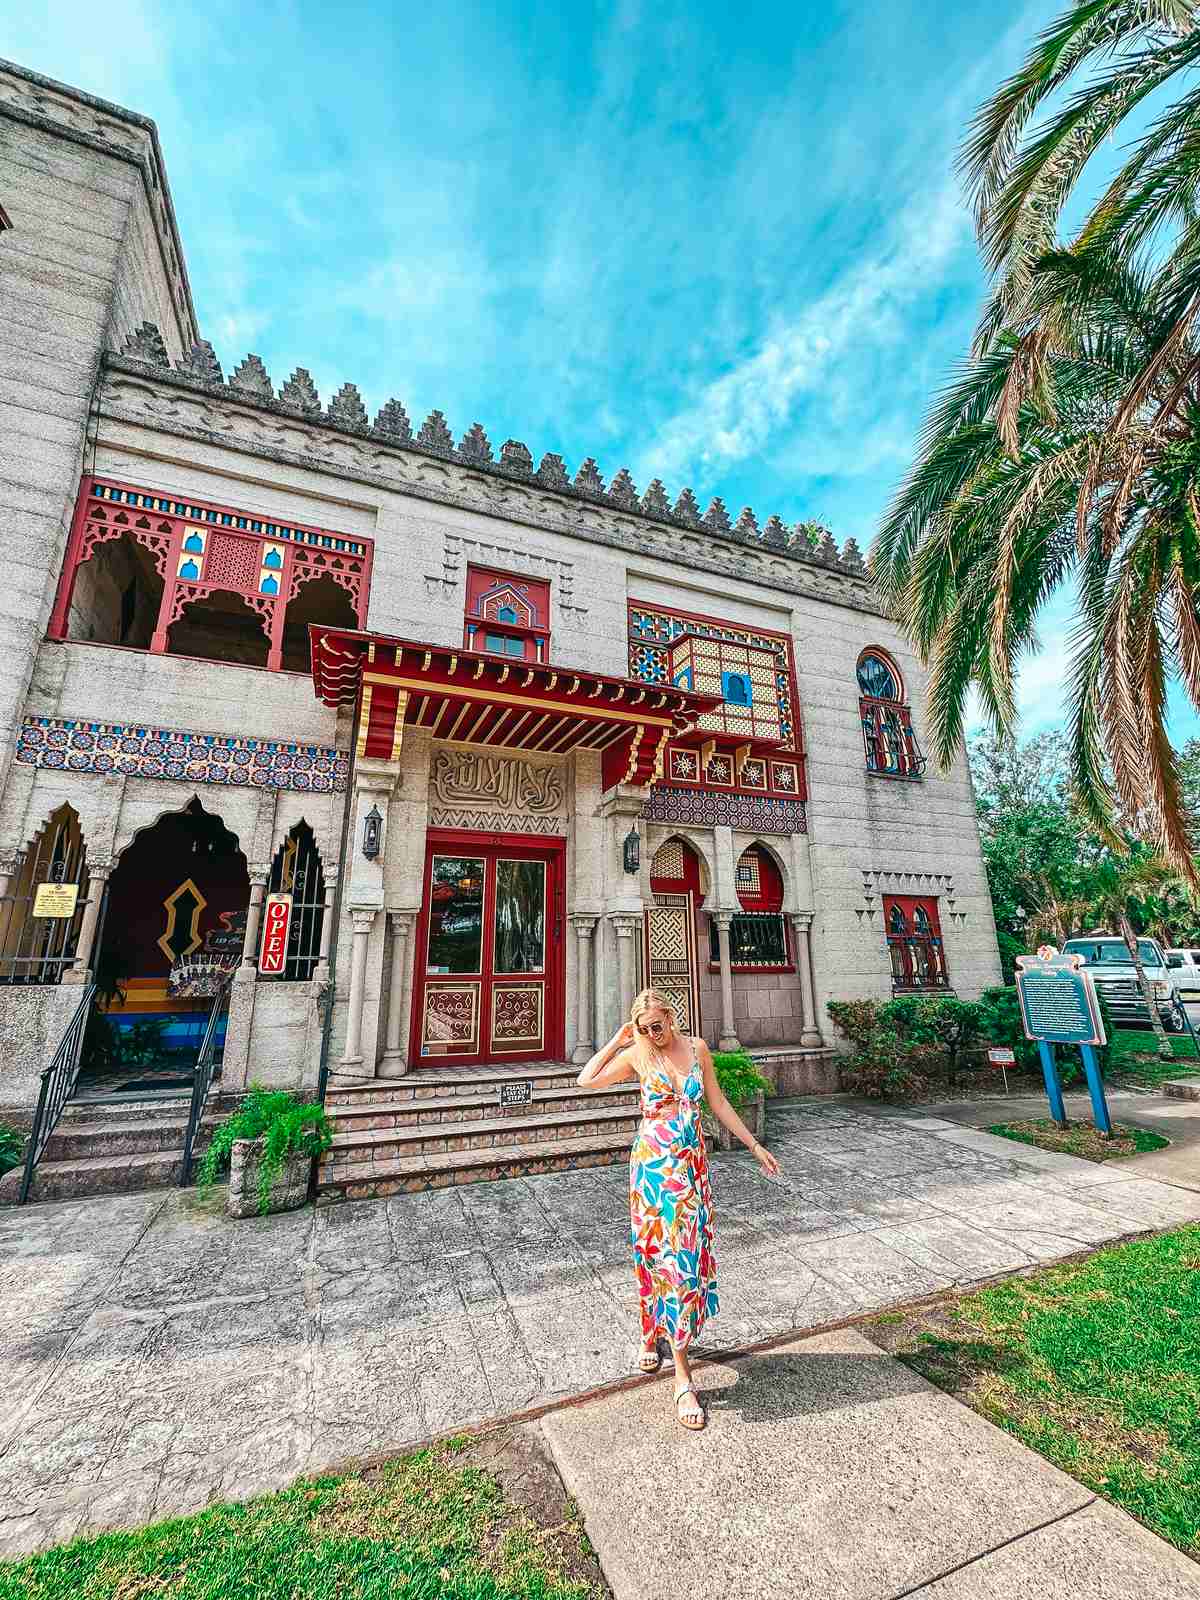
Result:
[1134,1056]
[1095,1365]
[426,1527]
[1081,1138]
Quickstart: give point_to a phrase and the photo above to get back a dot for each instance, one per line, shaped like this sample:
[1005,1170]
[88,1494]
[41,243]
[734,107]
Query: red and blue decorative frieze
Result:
[748,813]
[146,752]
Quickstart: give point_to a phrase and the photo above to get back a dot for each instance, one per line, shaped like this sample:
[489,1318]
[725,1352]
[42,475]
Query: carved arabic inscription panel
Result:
[473,789]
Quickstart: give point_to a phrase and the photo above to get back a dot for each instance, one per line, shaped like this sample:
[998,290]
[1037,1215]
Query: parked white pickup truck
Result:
[1107,959]
[1185,970]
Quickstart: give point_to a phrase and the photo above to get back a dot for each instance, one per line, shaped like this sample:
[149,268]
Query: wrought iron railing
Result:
[202,1077]
[756,939]
[58,1084]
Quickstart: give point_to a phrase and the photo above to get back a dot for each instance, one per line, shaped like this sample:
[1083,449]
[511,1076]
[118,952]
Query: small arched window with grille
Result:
[42,906]
[296,870]
[888,738]
[914,936]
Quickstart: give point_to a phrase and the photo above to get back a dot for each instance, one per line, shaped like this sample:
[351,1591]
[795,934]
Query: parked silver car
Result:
[1107,959]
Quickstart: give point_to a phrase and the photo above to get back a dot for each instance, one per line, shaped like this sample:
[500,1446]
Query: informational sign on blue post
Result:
[1058,1006]
[1058,1000]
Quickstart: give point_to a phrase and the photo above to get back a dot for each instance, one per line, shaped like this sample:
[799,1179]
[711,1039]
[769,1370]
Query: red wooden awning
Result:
[485,700]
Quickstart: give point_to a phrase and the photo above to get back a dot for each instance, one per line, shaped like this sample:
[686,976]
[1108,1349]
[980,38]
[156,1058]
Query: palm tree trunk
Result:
[1165,1052]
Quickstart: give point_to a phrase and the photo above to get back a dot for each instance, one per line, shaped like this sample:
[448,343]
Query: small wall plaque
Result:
[518,1092]
[55,899]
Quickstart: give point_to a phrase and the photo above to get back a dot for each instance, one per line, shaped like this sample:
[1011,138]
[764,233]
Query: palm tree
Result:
[1115,884]
[1068,447]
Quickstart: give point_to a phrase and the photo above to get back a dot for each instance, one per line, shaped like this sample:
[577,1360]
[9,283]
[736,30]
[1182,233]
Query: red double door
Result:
[489,962]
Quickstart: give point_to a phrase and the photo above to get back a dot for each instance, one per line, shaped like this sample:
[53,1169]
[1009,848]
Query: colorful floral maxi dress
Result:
[671,1215]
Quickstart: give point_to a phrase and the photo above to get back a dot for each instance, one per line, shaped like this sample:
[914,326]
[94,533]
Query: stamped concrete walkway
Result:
[829,1471]
[155,1356]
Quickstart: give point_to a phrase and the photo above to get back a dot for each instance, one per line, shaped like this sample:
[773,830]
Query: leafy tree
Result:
[1068,448]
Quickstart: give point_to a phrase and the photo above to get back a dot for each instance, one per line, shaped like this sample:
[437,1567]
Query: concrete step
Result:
[71,1180]
[365,1180]
[351,1149]
[428,1082]
[1182,1088]
[128,1108]
[431,1110]
[85,1141]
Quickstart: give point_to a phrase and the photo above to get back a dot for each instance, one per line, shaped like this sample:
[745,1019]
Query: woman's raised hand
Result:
[623,1038]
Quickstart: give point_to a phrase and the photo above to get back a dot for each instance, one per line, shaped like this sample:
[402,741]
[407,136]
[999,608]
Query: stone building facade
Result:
[512,740]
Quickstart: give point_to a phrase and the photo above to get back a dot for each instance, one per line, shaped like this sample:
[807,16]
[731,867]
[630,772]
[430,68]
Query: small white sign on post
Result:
[1001,1056]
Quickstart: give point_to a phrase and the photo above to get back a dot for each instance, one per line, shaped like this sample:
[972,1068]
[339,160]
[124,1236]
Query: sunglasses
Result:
[653,1027]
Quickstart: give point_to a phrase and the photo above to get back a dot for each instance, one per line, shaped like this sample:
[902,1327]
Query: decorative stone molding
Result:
[497,822]
[712,808]
[180,755]
[458,549]
[626,924]
[245,415]
[880,881]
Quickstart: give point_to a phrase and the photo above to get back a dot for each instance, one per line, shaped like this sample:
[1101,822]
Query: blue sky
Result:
[719,245]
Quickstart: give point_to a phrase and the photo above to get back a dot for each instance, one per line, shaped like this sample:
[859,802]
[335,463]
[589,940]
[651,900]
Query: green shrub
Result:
[855,1020]
[290,1127]
[739,1078]
[12,1147]
[885,1064]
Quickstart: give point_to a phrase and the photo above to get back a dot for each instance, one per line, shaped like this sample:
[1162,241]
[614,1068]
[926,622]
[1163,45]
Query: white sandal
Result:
[650,1359]
[693,1421]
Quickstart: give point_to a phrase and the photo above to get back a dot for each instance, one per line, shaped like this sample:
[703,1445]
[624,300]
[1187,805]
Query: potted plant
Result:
[745,1088]
[267,1145]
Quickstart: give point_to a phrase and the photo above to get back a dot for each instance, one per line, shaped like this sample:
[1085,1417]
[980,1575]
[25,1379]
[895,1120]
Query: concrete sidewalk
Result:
[830,1471]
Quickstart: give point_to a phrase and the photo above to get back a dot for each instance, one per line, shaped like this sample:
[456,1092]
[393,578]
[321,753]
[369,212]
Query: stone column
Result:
[584,1027]
[321,971]
[626,926]
[81,972]
[729,1039]
[258,883]
[394,1062]
[364,919]
[810,1034]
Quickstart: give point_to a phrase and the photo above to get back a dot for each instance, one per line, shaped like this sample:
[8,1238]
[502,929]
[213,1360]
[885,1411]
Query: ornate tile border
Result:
[746,812]
[145,752]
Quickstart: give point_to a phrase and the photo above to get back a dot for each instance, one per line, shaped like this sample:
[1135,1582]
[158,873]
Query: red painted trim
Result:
[493,846]
[57,628]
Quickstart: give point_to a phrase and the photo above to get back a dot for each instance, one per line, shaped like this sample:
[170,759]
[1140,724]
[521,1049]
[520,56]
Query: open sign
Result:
[277,923]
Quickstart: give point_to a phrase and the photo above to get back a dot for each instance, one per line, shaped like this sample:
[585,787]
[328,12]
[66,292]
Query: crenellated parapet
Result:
[804,544]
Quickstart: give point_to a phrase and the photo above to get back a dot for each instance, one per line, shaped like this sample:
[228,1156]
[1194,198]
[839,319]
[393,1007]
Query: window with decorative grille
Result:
[39,948]
[888,738]
[296,870]
[914,936]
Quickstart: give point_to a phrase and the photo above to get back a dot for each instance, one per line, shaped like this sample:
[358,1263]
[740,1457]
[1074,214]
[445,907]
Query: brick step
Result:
[427,1082]
[411,1174]
[435,1109]
[71,1180]
[388,1144]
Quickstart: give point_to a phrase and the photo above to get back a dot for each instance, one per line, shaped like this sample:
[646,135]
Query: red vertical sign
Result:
[277,922]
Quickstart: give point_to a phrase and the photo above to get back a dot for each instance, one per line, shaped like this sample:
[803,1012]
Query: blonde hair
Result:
[649,1000]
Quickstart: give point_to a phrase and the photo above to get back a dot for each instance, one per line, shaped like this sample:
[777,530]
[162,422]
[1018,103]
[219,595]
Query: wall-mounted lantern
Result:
[372,833]
[632,850]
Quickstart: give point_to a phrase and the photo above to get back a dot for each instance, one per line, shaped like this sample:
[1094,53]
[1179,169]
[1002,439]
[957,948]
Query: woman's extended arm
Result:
[612,1063]
[727,1116]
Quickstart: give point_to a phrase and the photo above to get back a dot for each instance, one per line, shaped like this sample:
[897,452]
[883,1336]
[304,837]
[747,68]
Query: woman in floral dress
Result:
[670,1201]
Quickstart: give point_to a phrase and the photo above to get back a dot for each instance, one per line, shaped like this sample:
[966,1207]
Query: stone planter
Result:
[753,1113]
[289,1190]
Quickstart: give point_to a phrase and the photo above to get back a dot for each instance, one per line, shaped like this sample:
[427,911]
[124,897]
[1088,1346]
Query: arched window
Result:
[296,871]
[758,933]
[37,941]
[914,936]
[888,738]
